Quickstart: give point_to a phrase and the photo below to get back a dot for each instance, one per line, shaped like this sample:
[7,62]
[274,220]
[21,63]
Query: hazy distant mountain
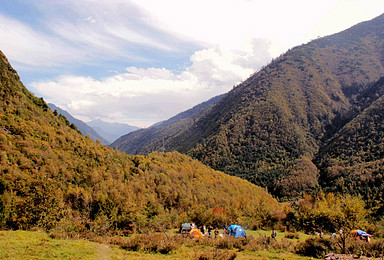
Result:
[155,137]
[81,126]
[111,131]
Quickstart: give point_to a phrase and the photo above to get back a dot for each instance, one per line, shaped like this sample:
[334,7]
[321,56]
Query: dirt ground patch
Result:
[103,252]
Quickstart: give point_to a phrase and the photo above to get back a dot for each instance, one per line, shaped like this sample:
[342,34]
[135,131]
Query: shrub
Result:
[292,236]
[315,247]
[284,244]
[232,243]
[254,245]
[379,229]
[362,248]
[216,254]
[377,249]
[154,243]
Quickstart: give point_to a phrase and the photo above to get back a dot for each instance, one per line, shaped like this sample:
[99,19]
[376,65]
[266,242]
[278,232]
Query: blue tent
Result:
[362,233]
[236,231]
[232,229]
[239,232]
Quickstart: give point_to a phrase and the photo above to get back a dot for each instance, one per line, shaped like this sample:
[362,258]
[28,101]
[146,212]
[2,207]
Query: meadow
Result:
[39,245]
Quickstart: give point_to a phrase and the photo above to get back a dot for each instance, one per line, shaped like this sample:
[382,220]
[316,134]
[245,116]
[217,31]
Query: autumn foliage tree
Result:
[329,213]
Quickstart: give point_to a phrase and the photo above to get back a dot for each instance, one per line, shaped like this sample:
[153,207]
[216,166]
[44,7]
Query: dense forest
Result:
[53,177]
[309,120]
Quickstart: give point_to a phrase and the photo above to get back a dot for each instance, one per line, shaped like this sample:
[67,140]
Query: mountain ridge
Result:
[111,131]
[81,126]
[162,131]
[285,112]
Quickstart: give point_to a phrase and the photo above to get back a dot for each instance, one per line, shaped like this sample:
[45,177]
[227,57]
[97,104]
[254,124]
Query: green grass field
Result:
[38,245]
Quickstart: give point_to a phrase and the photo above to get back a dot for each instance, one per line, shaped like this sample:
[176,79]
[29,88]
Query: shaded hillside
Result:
[51,176]
[155,138]
[352,160]
[80,125]
[111,131]
[282,114]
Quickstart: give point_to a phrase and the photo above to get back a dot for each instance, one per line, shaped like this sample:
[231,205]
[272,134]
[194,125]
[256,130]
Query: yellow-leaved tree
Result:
[340,213]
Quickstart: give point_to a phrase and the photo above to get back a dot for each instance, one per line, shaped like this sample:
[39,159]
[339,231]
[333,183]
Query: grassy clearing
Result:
[38,245]
[280,235]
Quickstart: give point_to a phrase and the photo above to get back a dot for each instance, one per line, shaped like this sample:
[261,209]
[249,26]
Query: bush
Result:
[377,249]
[362,248]
[315,247]
[292,236]
[253,244]
[232,243]
[379,229]
[216,254]
[154,243]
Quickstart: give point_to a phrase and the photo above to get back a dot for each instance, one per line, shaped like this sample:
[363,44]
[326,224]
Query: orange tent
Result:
[195,233]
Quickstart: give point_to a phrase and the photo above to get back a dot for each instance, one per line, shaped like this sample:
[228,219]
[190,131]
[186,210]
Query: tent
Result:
[231,229]
[185,228]
[239,232]
[361,234]
[236,231]
[195,233]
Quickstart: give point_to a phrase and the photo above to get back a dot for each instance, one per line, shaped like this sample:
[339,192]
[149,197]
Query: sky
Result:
[144,61]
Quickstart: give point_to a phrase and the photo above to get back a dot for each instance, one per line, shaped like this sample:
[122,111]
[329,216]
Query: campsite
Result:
[171,245]
[39,245]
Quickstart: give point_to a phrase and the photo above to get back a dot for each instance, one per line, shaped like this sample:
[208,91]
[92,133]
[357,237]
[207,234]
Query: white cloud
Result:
[285,23]
[24,45]
[225,41]
[344,14]
[142,97]
[85,32]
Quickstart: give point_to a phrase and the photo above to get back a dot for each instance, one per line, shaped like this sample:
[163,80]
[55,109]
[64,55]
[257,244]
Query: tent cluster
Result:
[194,232]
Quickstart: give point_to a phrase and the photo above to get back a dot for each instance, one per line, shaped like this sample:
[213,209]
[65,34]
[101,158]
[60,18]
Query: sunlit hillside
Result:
[51,176]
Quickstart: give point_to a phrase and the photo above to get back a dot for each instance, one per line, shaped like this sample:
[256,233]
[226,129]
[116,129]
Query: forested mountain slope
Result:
[284,112]
[352,160]
[51,176]
[269,128]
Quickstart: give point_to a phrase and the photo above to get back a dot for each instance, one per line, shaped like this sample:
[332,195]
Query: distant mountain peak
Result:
[81,126]
[111,131]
